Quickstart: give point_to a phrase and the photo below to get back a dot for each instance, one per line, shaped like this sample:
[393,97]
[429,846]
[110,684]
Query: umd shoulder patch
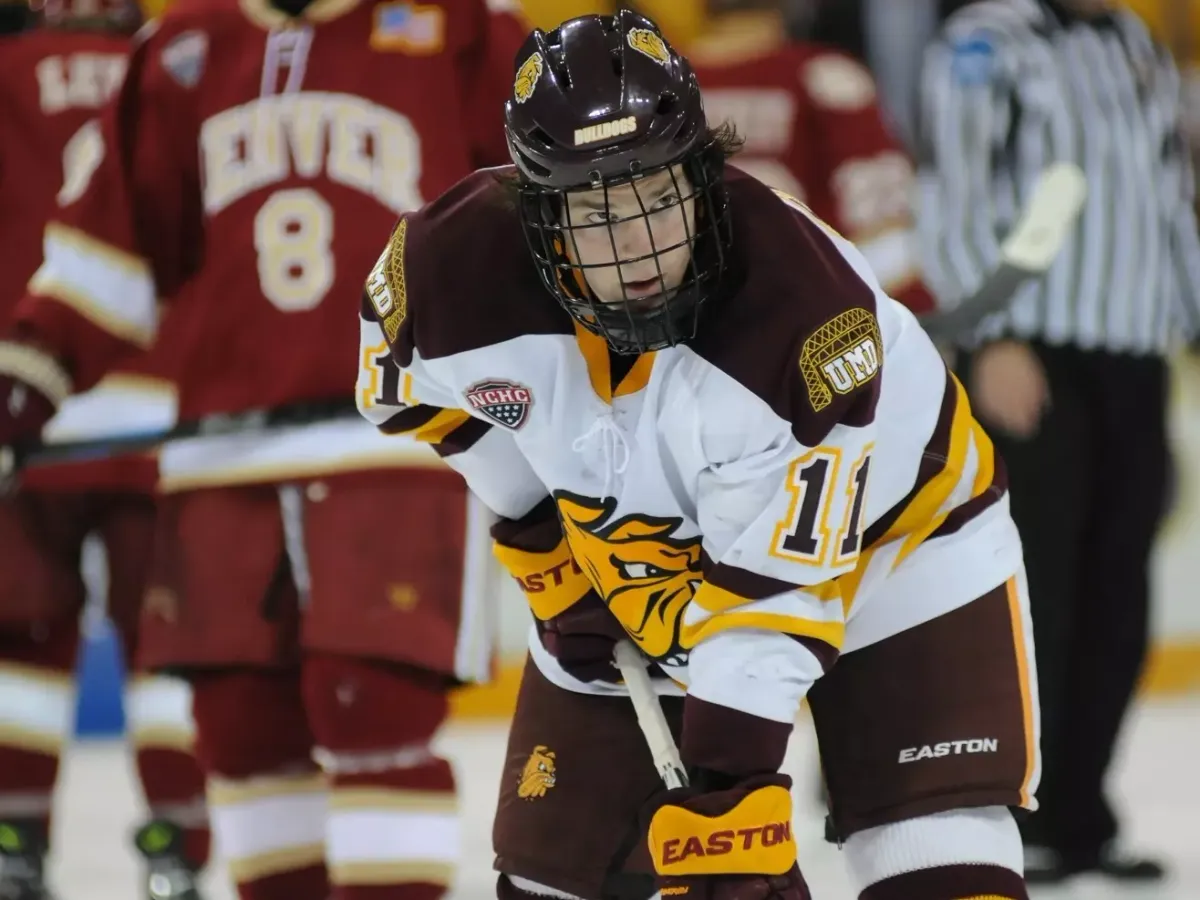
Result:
[843,354]
[385,284]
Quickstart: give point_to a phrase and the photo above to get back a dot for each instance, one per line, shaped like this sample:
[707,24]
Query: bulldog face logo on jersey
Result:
[504,402]
[527,78]
[645,574]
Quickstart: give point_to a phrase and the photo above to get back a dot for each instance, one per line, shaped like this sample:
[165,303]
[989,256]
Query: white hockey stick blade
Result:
[1047,219]
[650,716]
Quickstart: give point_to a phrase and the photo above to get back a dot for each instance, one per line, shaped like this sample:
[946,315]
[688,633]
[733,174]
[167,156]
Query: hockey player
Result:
[53,81]
[252,164]
[709,429]
[812,125]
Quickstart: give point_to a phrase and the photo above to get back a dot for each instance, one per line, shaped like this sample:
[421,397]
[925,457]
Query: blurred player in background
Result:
[56,72]
[890,39]
[309,580]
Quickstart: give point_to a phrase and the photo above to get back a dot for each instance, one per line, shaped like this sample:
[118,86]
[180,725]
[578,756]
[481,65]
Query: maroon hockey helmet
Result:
[599,103]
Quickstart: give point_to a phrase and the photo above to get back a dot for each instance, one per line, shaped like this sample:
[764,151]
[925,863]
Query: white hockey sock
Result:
[393,818]
[983,836]
[270,824]
[159,712]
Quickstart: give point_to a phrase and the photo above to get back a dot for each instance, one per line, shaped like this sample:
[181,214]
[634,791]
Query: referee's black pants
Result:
[1087,492]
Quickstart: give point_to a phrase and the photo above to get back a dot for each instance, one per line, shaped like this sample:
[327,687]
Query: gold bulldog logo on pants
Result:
[645,574]
[539,774]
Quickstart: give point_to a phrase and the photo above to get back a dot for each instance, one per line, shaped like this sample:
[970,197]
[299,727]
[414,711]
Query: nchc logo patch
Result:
[504,402]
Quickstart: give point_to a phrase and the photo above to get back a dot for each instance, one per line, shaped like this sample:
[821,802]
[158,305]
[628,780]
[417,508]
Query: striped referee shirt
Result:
[1010,86]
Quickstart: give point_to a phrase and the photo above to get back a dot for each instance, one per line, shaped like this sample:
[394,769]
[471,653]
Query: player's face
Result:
[633,242]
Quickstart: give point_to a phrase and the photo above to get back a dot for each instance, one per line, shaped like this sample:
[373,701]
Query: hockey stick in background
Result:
[1028,251]
[651,720]
[256,421]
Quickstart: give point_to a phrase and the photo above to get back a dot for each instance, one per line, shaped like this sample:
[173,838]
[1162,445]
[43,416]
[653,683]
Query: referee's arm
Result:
[965,104]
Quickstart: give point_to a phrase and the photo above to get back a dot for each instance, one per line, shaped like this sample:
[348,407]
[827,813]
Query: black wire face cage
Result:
[671,314]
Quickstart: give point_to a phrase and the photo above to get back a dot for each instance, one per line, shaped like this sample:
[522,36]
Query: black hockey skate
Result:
[22,856]
[169,876]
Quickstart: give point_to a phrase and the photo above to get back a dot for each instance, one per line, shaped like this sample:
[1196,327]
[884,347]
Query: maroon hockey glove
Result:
[582,639]
[575,626]
[32,384]
[732,844]
[23,411]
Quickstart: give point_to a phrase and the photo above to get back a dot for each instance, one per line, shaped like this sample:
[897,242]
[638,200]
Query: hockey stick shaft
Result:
[1027,253]
[650,716]
[13,459]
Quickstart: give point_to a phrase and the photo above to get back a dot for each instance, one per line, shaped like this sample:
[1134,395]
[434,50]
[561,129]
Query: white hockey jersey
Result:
[803,478]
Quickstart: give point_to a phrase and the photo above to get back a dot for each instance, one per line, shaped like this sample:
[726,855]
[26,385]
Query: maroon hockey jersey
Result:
[249,170]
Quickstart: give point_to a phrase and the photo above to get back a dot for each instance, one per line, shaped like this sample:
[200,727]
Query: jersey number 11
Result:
[821,495]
